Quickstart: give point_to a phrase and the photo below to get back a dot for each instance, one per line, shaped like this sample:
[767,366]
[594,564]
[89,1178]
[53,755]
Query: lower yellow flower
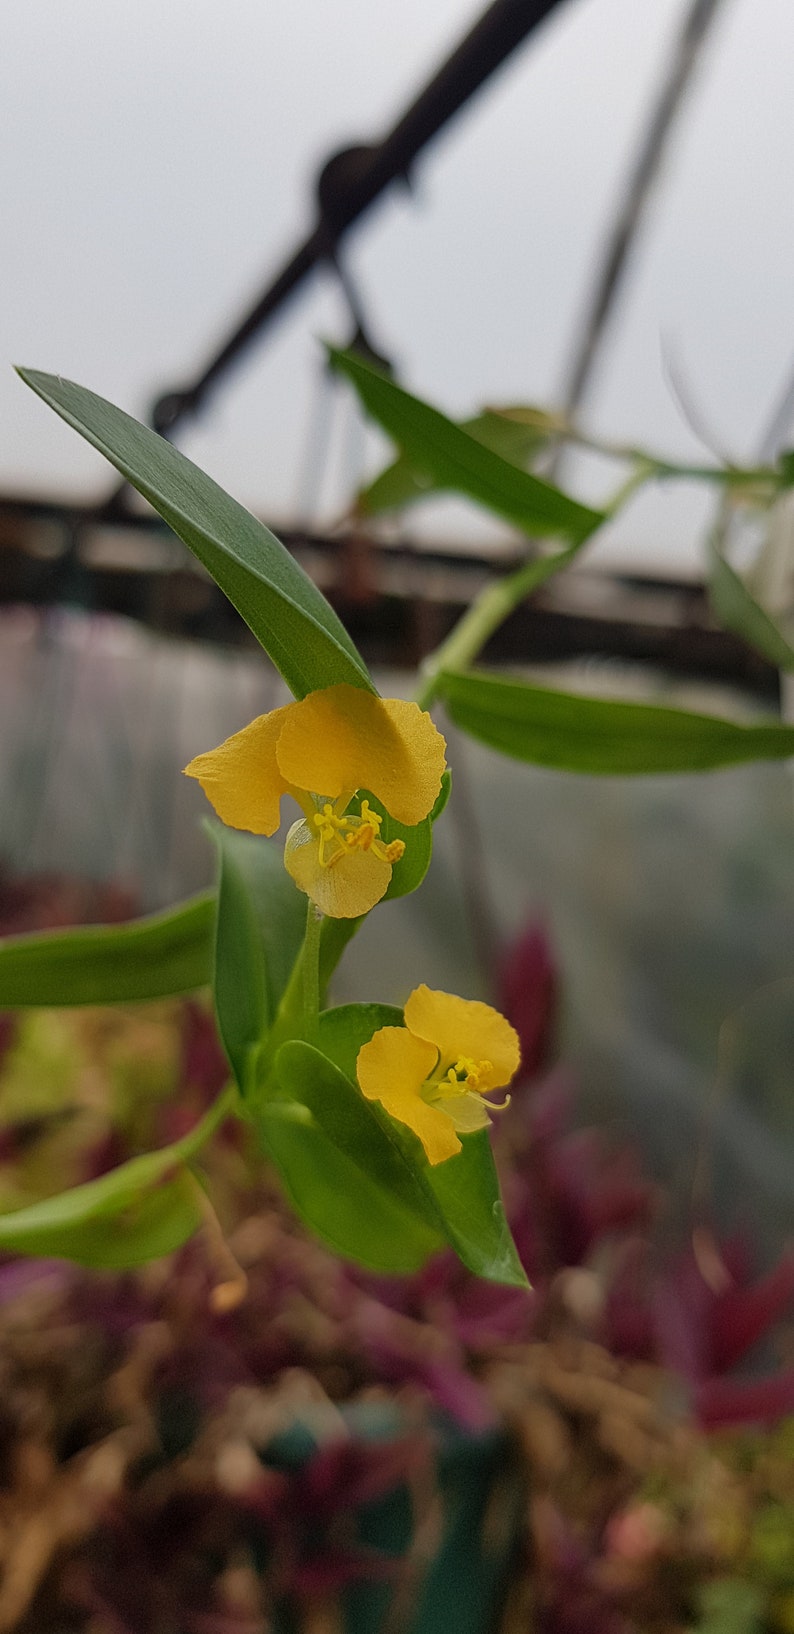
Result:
[433,1073]
[323,750]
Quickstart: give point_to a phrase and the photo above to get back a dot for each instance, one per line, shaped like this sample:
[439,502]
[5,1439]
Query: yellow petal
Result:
[343,738]
[241,778]
[465,1027]
[352,885]
[391,1069]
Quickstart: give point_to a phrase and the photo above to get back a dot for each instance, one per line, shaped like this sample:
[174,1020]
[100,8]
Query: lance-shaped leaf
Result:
[466,1191]
[737,610]
[515,434]
[455,461]
[258,936]
[111,964]
[599,735]
[137,1212]
[286,612]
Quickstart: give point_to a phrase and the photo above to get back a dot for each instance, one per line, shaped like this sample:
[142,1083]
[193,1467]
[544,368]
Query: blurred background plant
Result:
[339,1444]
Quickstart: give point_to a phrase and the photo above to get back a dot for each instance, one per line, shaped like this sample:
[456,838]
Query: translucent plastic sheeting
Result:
[669,900]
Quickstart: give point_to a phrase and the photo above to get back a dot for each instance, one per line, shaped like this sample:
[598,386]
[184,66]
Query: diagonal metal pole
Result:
[687,50]
[354,179]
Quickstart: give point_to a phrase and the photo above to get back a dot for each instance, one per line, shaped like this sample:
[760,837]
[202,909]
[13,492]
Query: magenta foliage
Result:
[701,1326]
[528,996]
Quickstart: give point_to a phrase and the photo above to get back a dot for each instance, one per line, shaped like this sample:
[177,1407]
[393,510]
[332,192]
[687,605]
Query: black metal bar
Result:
[391,626]
[677,76]
[352,180]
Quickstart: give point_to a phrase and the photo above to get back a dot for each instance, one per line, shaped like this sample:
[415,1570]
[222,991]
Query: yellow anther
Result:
[357,833]
[331,830]
[468,1072]
[476,1071]
[370,818]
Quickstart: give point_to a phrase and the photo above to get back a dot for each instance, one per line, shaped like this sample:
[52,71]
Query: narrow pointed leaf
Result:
[455,461]
[599,735]
[138,1220]
[466,1189]
[737,610]
[137,1212]
[111,964]
[286,612]
[402,483]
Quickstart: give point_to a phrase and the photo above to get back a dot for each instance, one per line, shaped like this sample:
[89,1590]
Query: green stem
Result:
[227,1103]
[487,612]
[495,603]
[310,969]
[658,466]
[643,472]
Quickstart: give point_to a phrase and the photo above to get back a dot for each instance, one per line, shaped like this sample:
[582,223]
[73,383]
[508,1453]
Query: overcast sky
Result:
[158,166]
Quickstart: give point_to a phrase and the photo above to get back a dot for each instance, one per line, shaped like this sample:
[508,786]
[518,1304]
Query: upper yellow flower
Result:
[323,750]
[432,1073]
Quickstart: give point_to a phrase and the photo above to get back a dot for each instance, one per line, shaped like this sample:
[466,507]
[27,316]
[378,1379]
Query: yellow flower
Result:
[433,1073]
[324,750]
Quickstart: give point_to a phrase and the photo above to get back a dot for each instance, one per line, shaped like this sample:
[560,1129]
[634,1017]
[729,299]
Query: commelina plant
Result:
[375,1117]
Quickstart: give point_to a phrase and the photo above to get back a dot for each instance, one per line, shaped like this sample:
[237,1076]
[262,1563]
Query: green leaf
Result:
[139,1211]
[111,964]
[515,440]
[344,1176]
[737,610]
[344,1030]
[258,936]
[286,612]
[309,1075]
[599,735]
[464,1191]
[408,873]
[454,460]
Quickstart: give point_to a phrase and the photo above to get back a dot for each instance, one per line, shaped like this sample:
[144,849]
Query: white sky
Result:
[157,168]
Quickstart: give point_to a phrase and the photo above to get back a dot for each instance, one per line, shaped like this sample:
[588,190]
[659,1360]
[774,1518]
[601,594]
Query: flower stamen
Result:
[339,835]
[497,1106]
[467,1074]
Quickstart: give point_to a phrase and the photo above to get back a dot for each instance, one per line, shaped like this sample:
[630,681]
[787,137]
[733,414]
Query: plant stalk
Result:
[310,969]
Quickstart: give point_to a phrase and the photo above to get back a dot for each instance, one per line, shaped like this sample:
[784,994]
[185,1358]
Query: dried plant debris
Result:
[165,1469]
